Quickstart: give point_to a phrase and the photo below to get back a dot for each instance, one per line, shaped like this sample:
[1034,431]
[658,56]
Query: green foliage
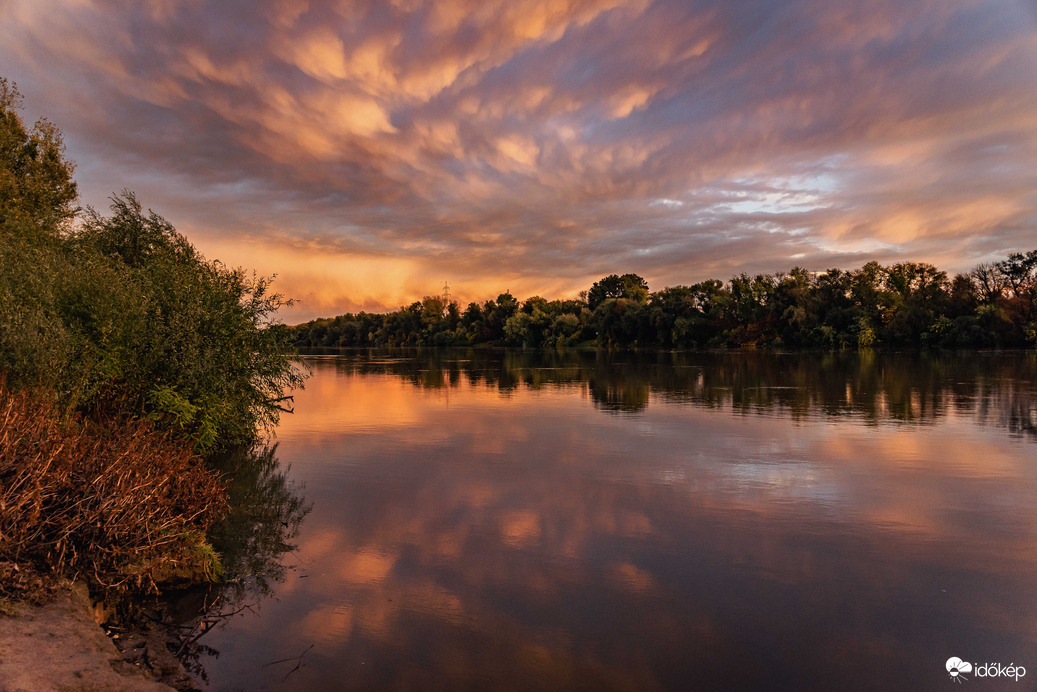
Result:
[35,343]
[564,329]
[197,352]
[121,316]
[516,328]
[865,334]
[628,286]
[37,192]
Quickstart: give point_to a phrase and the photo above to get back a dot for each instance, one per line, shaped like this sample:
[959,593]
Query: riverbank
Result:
[61,646]
[119,505]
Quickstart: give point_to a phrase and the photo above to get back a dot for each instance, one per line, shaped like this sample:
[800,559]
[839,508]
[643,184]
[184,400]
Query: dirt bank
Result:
[59,646]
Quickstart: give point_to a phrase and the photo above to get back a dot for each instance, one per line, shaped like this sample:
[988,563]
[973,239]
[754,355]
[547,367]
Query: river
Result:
[480,520]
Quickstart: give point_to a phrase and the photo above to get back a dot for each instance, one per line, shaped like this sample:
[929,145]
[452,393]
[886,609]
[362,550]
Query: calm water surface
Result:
[651,522]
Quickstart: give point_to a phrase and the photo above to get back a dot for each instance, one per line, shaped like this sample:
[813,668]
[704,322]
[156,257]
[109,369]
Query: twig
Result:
[285,660]
[297,659]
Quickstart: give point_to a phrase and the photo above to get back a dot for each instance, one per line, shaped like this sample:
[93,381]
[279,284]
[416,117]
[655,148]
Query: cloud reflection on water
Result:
[528,539]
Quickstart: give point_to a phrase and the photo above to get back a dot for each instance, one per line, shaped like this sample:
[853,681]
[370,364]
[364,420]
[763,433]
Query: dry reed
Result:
[118,505]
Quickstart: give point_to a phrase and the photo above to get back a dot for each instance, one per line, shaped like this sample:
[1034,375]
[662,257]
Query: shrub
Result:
[124,318]
[121,316]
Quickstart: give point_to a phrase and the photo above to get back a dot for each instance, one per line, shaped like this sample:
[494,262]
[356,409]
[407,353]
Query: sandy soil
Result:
[59,646]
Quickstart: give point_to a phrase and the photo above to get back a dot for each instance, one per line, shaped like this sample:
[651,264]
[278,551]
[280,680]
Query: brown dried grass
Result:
[114,504]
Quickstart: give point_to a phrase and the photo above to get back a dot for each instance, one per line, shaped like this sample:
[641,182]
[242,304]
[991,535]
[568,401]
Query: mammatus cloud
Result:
[368,151]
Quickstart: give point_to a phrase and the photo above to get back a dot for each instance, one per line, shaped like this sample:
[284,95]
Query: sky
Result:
[367,152]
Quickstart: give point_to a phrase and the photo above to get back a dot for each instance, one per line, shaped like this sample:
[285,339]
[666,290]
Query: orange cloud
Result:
[526,145]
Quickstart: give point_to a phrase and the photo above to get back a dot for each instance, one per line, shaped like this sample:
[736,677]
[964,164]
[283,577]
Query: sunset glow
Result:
[368,152]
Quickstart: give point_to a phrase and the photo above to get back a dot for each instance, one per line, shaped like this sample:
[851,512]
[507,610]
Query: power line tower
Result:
[446,293]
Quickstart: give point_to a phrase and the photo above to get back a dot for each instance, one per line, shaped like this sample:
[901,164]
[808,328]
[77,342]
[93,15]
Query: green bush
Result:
[121,317]
[206,358]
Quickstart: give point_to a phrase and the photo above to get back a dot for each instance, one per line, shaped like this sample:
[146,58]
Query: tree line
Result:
[908,304]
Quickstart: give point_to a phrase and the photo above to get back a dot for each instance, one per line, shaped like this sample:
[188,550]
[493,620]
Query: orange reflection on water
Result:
[583,544]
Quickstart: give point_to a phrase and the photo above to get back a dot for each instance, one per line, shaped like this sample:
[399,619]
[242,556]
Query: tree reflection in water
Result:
[509,520]
[266,510]
[874,386]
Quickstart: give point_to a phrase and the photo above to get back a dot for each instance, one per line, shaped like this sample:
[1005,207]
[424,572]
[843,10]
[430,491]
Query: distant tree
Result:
[915,295]
[964,296]
[989,281]
[672,311]
[622,323]
[909,303]
[496,314]
[831,303]
[629,286]
[470,324]
[752,299]
[865,292]
[1020,272]
[564,329]
[534,303]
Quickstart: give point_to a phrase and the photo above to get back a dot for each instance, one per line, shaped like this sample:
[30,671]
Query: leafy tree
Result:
[1019,271]
[622,323]
[530,326]
[496,314]
[122,317]
[37,193]
[909,303]
[989,282]
[673,312]
[915,294]
[964,297]
[751,305]
[565,329]
[628,286]
[1020,274]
